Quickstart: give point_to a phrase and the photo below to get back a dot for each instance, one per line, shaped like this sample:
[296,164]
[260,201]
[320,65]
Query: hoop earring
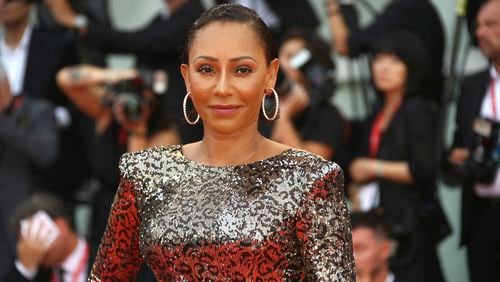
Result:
[184,110]
[276,109]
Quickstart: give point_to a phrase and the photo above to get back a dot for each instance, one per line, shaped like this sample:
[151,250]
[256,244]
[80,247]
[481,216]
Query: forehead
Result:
[490,11]
[362,234]
[227,39]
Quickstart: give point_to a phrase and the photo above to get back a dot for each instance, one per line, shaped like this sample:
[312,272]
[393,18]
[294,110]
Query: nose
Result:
[223,87]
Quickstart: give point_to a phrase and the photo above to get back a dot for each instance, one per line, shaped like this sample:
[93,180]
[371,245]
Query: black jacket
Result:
[472,93]
[409,137]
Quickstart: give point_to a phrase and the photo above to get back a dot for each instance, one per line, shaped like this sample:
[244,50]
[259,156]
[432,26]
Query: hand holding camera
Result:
[480,164]
[132,99]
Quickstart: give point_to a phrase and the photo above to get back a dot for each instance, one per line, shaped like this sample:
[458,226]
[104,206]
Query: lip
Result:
[224,109]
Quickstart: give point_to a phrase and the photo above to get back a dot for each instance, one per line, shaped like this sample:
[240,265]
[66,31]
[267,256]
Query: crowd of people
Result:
[212,158]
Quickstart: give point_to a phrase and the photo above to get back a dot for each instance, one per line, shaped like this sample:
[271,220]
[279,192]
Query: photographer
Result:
[125,117]
[307,118]
[156,46]
[416,16]
[473,156]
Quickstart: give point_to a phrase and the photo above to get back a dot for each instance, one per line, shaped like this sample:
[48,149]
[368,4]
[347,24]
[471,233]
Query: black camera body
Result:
[319,76]
[129,93]
[483,163]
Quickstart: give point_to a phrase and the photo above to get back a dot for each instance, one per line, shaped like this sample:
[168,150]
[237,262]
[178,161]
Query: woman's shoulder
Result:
[305,161]
[148,159]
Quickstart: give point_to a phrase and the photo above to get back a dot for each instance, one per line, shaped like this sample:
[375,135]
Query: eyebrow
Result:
[231,60]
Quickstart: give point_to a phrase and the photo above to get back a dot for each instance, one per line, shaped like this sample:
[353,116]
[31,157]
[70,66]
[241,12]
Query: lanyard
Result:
[376,132]
[493,99]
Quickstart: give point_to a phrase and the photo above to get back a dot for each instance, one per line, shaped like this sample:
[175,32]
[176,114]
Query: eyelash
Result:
[205,69]
[244,70]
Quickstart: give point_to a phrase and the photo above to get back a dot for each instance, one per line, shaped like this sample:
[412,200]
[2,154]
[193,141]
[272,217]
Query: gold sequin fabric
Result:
[279,219]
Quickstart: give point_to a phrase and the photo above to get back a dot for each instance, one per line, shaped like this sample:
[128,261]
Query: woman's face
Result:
[289,49]
[227,75]
[389,73]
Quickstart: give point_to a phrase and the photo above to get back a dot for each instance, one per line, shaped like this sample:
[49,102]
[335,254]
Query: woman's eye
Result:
[205,69]
[243,70]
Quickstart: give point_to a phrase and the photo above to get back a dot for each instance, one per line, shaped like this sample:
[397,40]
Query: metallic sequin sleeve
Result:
[324,229]
[118,258]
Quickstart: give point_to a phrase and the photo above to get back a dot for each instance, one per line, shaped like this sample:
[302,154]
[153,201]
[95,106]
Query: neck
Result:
[381,274]
[71,245]
[230,149]
[392,99]
[14,33]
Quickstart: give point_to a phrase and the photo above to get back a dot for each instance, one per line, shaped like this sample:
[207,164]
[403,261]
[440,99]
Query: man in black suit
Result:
[32,56]
[56,252]
[480,97]
[28,144]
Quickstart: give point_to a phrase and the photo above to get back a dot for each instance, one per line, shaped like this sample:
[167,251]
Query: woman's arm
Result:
[365,169]
[325,232]
[85,86]
[118,257]
[338,28]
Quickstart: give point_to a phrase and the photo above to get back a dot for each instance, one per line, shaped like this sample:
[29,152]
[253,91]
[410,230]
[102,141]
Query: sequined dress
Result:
[281,218]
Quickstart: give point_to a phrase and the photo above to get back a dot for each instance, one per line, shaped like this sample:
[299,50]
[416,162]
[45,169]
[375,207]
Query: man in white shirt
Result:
[372,247]
[15,43]
[480,98]
[48,248]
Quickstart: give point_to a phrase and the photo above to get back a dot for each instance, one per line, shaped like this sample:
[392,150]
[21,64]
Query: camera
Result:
[130,93]
[319,75]
[483,162]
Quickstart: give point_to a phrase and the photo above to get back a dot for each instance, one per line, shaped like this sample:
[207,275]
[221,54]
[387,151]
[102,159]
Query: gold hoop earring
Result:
[184,109]
[276,109]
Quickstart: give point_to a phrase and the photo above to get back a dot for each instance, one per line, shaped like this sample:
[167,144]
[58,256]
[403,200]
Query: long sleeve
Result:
[421,132]
[325,232]
[118,258]
[32,133]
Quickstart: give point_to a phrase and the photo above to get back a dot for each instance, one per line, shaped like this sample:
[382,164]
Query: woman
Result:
[396,155]
[233,206]
[307,119]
